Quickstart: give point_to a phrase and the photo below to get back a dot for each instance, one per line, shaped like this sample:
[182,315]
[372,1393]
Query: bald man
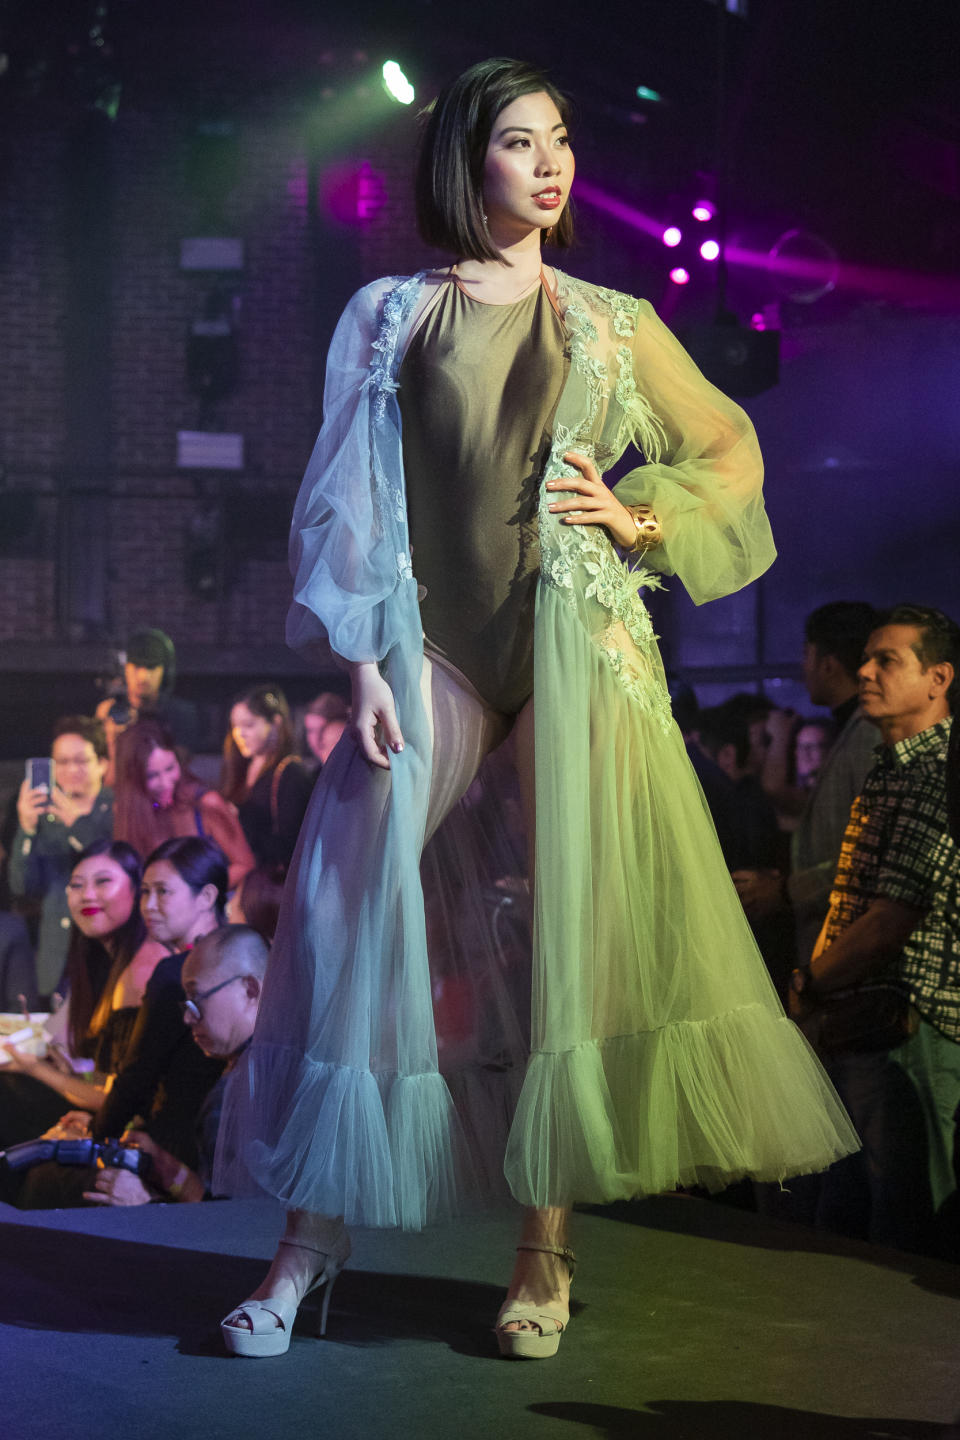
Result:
[222,980]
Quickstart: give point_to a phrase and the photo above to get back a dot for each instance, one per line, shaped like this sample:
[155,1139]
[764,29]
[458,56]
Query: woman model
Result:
[263,776]
[109,961]
[157,799]
[469,414]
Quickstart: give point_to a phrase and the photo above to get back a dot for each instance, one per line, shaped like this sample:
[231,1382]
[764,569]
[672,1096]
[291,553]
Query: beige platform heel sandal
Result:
[551,1318]
[265,1326]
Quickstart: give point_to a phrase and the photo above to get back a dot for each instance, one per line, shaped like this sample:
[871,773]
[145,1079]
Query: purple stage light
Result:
[703,211]
[672,235]
[758,321]
[679,276]
[611,205]
[709,250]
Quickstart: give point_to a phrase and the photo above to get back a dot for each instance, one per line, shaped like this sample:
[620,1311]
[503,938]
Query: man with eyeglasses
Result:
[53,830]
[222,980]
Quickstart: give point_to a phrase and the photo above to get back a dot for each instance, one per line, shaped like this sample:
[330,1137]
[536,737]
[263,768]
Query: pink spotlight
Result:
[709,249]
[758,321]
[679,276]
[672,235]
[703,211]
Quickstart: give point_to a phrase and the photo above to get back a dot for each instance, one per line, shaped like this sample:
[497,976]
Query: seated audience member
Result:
[158,799]
[149,675]
[18,966]
[164,1077]
[54,829]
[324,721]
[263,776]
[881,995]
[256,902]
[110,961]
[222,981]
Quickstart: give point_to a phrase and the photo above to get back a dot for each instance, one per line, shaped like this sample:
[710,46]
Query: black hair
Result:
[92,969]
[151,648]
[841,629]
[722,725]
[88,728]
[197,860]
[448,187]
[937,643]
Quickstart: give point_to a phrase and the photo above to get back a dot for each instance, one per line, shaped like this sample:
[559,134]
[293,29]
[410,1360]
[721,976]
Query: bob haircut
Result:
[448,188]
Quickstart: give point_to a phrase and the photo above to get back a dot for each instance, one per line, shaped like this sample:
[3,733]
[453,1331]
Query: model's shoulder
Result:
[624,310]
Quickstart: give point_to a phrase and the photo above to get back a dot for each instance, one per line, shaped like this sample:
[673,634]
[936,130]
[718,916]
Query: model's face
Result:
[101,896]
[252,734]
[79,768]
[172,910]
[161,777]
[143,684]
[893,683]
[528,170]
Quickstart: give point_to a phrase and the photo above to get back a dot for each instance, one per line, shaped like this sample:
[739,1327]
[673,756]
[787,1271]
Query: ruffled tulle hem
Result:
[380,1151]
[698,1102]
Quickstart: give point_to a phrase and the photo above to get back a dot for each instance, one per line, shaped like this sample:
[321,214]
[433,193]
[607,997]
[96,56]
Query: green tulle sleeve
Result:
[704,473]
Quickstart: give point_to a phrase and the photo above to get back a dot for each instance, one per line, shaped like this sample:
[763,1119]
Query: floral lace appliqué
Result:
[572,554]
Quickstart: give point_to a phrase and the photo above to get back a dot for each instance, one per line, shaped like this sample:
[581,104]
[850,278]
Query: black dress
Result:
[272,829]
[165,1076]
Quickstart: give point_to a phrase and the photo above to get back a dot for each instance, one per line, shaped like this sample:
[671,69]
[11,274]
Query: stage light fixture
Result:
[396,84]
[703,211]
[645,93]
[709,250]
[679,276]
[672,236]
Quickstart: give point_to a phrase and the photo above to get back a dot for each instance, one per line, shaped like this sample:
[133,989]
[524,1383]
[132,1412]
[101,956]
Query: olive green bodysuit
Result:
[479,385]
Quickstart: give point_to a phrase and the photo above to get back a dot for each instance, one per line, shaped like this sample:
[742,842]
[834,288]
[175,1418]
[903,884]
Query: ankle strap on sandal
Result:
[563,1251]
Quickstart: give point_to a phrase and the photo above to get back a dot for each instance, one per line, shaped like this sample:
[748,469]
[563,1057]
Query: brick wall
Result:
[276,405]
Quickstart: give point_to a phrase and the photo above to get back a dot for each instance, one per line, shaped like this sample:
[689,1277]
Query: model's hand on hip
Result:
[593,503]
[374,726]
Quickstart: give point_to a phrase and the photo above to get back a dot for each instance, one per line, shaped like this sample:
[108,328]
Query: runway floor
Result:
[693,1321]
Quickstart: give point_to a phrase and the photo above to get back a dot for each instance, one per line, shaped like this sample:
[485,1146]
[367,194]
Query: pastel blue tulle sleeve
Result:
[704,473]
[345,554]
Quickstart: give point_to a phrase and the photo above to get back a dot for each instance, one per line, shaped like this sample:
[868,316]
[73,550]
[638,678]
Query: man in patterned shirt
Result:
[889,952]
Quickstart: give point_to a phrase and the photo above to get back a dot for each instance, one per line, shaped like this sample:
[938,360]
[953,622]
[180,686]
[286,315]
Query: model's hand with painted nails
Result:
[374,726]
[593,503]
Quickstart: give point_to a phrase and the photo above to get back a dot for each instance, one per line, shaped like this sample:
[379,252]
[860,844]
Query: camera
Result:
[109,1153]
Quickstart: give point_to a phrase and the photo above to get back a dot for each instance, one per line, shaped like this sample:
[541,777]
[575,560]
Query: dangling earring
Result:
[483,216]
[549,234]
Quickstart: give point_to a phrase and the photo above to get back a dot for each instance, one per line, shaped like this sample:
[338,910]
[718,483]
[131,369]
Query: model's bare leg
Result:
[538,1277]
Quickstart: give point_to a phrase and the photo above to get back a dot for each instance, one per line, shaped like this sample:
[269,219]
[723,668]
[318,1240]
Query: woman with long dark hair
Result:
[109,962]
[455,545]
[157,798]
[262,774]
